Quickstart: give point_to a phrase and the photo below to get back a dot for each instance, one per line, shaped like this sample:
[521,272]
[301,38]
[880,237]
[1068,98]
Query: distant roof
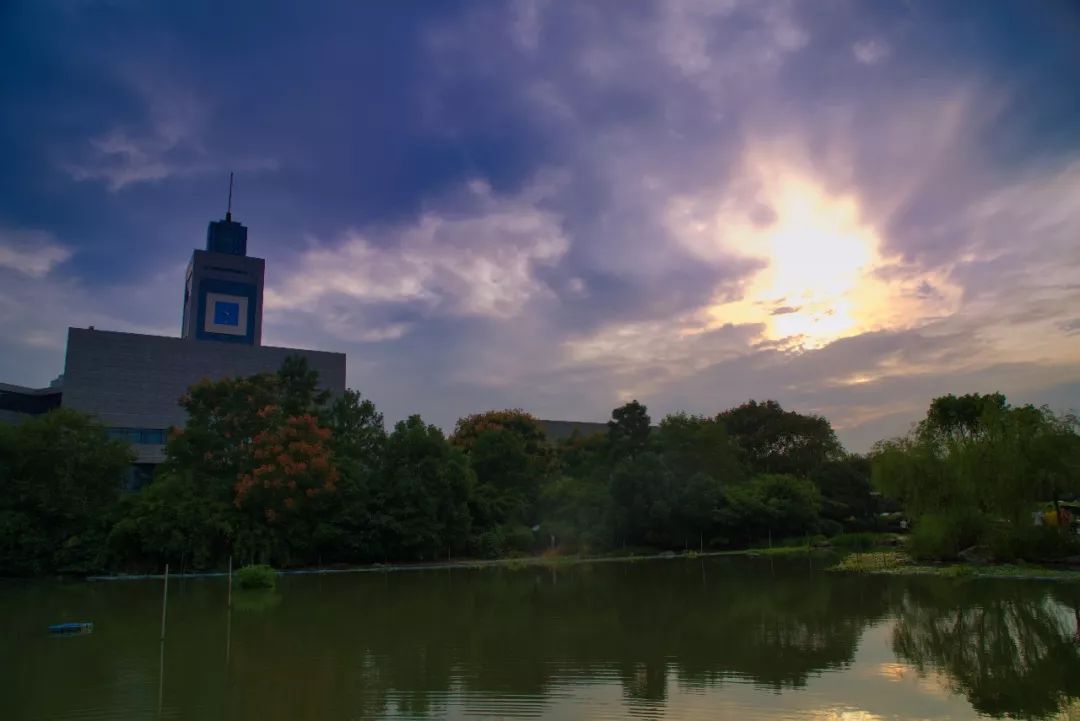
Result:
[17,402]
[23,390]
[561,430]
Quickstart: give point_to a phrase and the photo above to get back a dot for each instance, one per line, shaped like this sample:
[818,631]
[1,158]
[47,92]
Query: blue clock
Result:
[226,313]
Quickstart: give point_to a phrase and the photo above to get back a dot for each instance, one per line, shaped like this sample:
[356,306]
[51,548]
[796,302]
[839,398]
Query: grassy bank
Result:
[898,563]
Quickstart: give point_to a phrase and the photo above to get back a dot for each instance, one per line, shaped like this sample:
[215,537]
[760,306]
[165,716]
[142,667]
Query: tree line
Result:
[269,468]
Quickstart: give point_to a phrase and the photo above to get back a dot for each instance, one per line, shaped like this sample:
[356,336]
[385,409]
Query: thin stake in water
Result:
[164,602]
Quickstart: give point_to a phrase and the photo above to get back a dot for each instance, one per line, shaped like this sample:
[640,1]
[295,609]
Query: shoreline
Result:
[884,561]
[472,564]
[896,563]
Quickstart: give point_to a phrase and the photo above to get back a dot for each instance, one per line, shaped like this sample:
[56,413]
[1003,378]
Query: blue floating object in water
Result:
[68,628]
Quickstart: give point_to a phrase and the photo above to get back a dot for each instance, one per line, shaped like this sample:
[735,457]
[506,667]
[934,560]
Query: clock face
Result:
[226,314]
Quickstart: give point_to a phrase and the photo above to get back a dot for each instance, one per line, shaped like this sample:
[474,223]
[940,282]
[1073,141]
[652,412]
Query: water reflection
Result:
[1014,652]
[723,638]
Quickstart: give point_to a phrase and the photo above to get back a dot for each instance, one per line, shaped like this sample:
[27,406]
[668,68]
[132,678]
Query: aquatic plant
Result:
[258,576]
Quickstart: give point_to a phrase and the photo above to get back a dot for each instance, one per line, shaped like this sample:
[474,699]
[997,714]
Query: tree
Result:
[357,429]
[172,521]
[770,506]
[291,477]
[628,429]
[246,440]
[642,494]
[959,417]
[773,440]
[60,477]
[697,503]
[966,481]
[358,442]
[846,492]
[299,387]
[422,503]
[509,453]
[695,445]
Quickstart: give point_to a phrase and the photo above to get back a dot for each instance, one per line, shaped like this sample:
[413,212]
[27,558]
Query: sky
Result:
[847,206]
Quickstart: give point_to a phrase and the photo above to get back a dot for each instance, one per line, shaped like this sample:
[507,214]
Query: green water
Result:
[721,638]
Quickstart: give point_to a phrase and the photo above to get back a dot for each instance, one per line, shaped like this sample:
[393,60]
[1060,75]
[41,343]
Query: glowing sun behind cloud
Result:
[822,276]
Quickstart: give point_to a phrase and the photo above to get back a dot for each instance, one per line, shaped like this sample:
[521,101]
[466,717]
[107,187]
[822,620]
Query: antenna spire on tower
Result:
[228,211]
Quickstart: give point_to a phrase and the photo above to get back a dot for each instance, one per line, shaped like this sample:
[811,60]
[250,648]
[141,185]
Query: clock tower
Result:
[223,295]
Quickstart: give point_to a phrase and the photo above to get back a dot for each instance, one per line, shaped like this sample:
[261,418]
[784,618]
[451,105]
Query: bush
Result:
[856,541]
[487,544]
[941,537]
[260,576]
[518,538]
[502,541]
[1032,543]
[830,528]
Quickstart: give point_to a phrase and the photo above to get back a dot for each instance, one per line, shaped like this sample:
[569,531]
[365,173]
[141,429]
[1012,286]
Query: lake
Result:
[708,638]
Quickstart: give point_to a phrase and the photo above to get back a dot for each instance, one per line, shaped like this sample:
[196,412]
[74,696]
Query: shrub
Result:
[504,540]
[855,541]
[941,537]
[830,527]
[518,538]
[486,545]
[260,576]
[1032,543]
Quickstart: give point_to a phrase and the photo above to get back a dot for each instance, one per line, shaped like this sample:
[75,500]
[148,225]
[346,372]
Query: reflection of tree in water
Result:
[497,641]
[407,641]
[1011,648]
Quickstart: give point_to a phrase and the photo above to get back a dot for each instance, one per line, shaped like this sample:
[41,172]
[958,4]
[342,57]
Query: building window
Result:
[139,436]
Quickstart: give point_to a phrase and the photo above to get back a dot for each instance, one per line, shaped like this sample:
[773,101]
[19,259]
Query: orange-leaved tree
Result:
[291,472]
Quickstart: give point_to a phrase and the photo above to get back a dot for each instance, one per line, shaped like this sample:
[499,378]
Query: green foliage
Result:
[855,541]
[170,521]
[60,477]
[846,492]
[268,469]
[987,462]
[694,444]
[422,504]
[1042,543]
[770,506]
[942,536]
[256,576]
[643,495]
[628,429]
[509,453]
[773,440]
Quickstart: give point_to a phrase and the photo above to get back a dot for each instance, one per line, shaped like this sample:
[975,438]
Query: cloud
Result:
[1071,326]
[479,260]
[36,311]
[794,228]
[870,51]
[33,253]
[166,141]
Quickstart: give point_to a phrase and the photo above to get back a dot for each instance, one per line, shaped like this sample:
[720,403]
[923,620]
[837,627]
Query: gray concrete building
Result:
[132,382]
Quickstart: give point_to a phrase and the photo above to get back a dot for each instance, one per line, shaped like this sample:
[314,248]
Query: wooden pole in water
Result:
[161,676]
[228,603]
[164,602]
